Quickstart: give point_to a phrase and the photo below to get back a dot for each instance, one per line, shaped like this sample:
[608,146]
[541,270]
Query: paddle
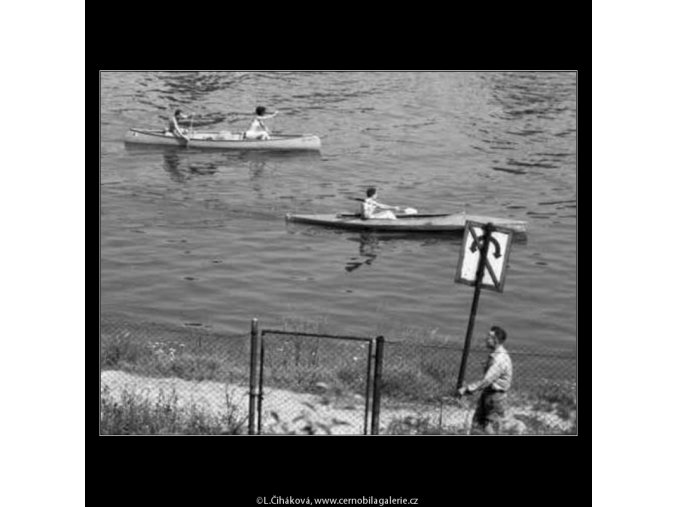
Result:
[411,216]
[408,212]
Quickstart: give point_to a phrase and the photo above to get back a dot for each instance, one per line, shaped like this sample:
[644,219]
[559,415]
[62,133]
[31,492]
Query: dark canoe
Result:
[406,223]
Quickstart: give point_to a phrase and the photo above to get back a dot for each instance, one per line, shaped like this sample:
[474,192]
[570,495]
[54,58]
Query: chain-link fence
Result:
[419,380]
[158,379]
[167,379]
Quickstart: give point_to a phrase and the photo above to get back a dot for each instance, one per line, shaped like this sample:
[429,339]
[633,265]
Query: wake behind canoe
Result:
[224,140]
[406,223]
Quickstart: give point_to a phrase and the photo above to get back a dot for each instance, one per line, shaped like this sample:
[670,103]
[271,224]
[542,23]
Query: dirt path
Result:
[287,411]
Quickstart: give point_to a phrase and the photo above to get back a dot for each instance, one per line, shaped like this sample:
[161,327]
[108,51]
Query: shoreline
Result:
[290,412]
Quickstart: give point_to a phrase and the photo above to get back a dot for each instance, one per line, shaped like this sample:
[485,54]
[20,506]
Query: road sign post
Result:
[479,267]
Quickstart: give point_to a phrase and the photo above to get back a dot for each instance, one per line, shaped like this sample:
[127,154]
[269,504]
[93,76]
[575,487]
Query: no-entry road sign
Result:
[498,241]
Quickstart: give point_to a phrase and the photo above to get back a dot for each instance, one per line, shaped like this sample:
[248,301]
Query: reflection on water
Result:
[305,157]
[369,247]
[181,170]
[371,243]
[256,172]
[171,165]
[181,165]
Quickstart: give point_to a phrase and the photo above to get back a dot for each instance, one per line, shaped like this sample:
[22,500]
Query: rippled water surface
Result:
[199,238]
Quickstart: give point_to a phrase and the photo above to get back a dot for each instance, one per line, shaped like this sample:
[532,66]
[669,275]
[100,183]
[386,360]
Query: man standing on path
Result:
[492,405]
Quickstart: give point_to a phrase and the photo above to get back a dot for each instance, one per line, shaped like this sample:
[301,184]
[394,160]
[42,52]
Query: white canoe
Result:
[224,140]
[406,223]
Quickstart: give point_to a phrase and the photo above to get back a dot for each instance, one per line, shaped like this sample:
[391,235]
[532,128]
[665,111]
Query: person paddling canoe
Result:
[257,129]
[370,207]
[173,126]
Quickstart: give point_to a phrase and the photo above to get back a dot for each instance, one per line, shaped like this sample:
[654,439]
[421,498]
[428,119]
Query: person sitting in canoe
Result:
[173,126]
[257,129]
[370,208]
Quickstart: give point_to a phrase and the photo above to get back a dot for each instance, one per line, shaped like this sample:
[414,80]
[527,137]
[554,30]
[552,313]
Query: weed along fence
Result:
[164,379]
[168,379]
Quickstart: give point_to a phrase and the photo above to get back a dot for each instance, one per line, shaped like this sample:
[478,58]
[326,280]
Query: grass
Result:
[133,414]
[420,371]
[205,359]
[119,348]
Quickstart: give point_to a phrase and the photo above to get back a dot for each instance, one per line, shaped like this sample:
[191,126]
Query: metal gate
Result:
[310,383]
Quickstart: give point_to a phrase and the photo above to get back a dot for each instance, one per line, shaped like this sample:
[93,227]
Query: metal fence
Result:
[314,383]
[418,381]
[168,379]
[158,379]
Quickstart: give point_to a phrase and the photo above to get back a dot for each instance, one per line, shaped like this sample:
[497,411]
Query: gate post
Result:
[253,365]
[378,369]
[367,404]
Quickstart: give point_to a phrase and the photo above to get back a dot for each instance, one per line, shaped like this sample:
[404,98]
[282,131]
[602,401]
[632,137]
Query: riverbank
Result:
[310,382]
[289,412]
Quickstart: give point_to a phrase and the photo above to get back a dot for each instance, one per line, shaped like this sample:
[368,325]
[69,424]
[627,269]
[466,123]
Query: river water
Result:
[199,238]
